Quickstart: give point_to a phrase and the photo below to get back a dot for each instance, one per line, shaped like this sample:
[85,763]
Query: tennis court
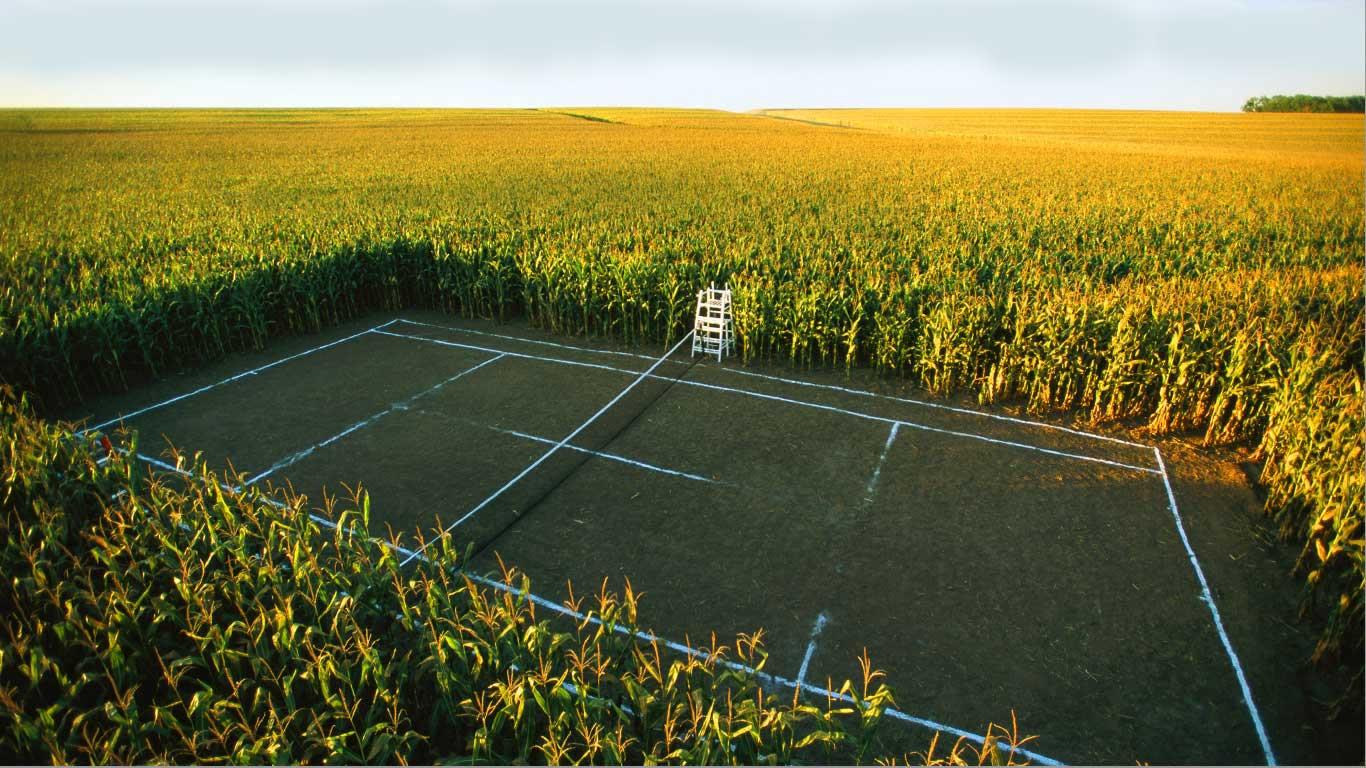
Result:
[986,563]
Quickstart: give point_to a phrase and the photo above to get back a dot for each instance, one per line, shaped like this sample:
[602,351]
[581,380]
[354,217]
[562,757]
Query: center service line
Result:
[821,621]
[552,450]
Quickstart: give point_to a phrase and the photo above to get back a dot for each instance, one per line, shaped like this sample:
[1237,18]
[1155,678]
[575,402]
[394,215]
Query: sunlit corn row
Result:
[1164,271]
[166,621]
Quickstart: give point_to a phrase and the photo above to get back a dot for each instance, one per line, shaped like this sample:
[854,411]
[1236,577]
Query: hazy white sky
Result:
[732,54]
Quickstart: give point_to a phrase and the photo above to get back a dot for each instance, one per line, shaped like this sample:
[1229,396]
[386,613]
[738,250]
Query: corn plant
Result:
[1165,271]
[155,618]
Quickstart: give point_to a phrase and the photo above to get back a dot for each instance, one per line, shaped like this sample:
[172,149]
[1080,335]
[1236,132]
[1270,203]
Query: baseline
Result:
[645,636]
[798,382]
[599,454]
[778,398]
[230,379]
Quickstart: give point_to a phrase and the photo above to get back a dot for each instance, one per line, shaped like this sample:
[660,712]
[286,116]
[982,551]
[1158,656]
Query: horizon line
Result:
[555,107]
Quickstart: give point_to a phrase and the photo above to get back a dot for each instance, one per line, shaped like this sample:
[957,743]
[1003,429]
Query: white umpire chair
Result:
[712,331]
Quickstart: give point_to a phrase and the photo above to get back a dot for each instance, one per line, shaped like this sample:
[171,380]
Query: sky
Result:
[728,54]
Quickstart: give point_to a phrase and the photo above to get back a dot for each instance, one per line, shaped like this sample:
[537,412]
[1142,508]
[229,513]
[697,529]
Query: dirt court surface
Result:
[986,564]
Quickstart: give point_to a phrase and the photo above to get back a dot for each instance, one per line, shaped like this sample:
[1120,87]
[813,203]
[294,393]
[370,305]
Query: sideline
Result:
[231,379]
[1208,599]
[644,636]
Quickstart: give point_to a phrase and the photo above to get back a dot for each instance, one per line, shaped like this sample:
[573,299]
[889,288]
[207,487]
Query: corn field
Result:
[1177,273]
[157,622]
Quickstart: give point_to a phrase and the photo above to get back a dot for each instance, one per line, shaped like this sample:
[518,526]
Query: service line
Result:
[610,457]
[871,491]
[599,454]
[556,447]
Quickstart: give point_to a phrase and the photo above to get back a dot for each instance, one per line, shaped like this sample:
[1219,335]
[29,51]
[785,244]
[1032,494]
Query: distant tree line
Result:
[1303,103]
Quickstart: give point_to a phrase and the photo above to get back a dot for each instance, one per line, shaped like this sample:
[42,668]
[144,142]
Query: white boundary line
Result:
[928,404]
[543,343]
[648,637]
[549,441]
[231,379]
[574,690]
[777,398]
[611,457]
[401,405]
[811,649]
[170,468]
[553,449]
[1026,446]
[800,383]
[767,677]
[1208,599]
[518,355]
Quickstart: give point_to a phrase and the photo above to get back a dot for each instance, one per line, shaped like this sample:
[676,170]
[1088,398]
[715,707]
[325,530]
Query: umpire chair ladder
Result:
[713,333]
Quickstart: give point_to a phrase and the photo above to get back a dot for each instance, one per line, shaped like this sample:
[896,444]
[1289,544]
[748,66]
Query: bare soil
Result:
[986,566]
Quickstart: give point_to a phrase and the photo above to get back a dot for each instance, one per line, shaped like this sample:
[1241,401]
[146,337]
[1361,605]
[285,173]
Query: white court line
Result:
[527,470]
[518,355]
[599,454]
[401,405]
[1208,599]
[871,490]
[231,379]
[649,637]
[928,404]
[508,337]
[1027,446]
[767,677]
[574,690]
[811,649]
[610,456]
[798,382]
[225,486]
[780,399]
[177,470]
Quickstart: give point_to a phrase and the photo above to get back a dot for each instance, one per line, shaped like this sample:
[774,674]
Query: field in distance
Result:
[1278,137]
